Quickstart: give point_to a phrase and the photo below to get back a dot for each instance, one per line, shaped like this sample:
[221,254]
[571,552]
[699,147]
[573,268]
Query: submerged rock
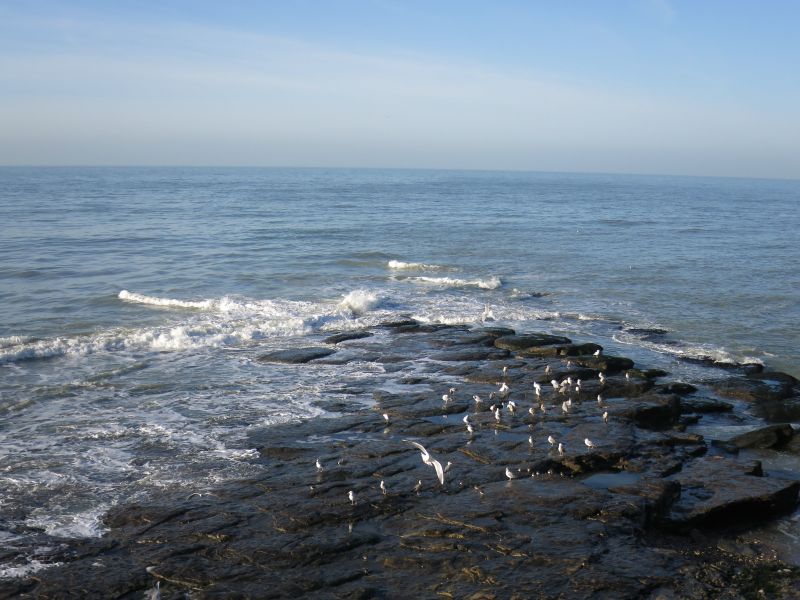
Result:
[347,335]
[296,355]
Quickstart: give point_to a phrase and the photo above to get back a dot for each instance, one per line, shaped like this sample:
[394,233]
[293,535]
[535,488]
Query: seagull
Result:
[497,414]
[565,407]
[477,399]
[418,487]
[466,419]
[548,370]
[319,466]
[601,376]
[512,406]
[537,388]
[589,443]
[352,497]
[447,466]
[598,352]
[560,449]
[445,398]
[487,315]
[627,376]
[428,460]
[503,388]
[600,399]
[386,418]
[543,408]
[505,370]
[532,412]
[552,440]
[469,429]
[554,383]
[605,417]
[452,391]
[509,474]
[530,440]
[383,488]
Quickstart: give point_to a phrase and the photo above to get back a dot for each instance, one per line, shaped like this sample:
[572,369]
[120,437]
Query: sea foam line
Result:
[400,265]
[491,283]
[154,300]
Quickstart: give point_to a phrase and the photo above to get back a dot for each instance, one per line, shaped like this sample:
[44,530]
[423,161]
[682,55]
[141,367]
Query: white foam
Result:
[360,301]
[399,265]
[491,283]
[687,350]
[32,566]
[13,340]
[173,302]
[84,524]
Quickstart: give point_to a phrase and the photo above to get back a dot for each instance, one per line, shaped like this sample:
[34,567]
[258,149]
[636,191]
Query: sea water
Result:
[134,301]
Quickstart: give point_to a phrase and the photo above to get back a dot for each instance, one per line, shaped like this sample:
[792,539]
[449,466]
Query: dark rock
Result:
[718,492]
[296,355]
[774,436]
[753,390]
[653,411]
[469,354]
[607,363]
[704,405]
[400,323]
[495,332]
[347,335]
[529,340]
[561,350]
[678,388]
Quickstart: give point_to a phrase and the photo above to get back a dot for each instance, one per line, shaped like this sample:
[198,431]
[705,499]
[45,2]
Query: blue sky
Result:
[639,86]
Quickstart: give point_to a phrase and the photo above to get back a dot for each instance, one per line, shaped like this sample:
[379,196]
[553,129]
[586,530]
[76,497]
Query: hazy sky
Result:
[642,86]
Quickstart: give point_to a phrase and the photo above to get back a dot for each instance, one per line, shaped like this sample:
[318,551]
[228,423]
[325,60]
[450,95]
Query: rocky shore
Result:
[593,489]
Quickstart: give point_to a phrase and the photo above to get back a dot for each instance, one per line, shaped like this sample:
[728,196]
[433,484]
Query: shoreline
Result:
[650,510]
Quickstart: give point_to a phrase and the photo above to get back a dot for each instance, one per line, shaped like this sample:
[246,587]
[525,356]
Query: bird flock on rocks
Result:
[566,387]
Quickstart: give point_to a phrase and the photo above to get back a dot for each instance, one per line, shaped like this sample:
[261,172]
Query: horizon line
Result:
[351,168]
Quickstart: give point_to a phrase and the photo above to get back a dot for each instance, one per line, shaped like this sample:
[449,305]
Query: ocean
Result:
[134,302]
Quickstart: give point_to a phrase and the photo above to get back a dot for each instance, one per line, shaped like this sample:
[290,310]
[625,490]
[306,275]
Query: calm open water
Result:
[133,300]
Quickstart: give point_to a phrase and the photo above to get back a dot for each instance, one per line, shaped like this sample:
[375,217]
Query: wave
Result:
[491,283]
[399,265]
[701,352]
[155,301]
[360,301]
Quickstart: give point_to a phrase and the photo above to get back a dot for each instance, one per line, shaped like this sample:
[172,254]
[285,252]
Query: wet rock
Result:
[529,340]
[653,412]
[296,355]
[678,388]
[347,335]
[561,350]
[470,354]
[717,492]
[704,405]
[778,411]
[607,363]
[495,332]
[774,436]
[753,390]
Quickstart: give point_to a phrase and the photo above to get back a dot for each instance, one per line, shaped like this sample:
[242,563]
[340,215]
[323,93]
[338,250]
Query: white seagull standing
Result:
[537,388]
[383,488]
[561,449]
[605,417]
[319,466]
[589,443]
[509,474]
[352,496]
[552,440]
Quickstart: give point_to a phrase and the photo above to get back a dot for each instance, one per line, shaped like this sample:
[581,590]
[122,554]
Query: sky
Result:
[621,86]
